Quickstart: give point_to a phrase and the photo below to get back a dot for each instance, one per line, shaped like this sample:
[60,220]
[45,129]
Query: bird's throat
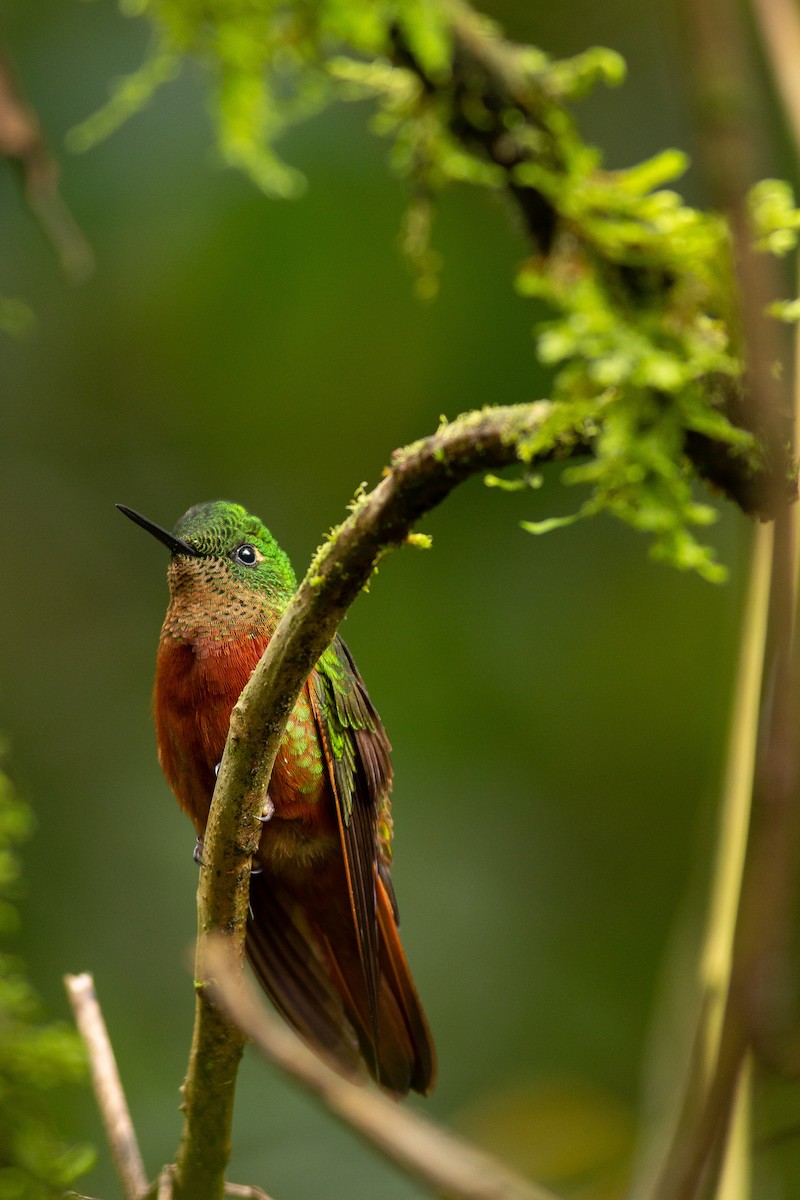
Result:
[211,611]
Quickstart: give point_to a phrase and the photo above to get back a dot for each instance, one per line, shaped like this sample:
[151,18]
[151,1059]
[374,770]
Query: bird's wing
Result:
[287,960]
[357,753]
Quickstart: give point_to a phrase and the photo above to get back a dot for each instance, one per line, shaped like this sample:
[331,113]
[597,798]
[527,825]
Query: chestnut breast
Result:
[196,688]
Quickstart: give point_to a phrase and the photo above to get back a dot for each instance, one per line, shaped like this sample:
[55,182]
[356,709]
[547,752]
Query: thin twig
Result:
[443,1162]
[735,1177]
[22,141]
[731,846]
[716,955]
[779,26]
[107,1086]
[244,1191]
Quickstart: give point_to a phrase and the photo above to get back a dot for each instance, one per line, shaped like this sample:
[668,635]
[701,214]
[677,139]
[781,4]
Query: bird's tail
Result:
[303,950]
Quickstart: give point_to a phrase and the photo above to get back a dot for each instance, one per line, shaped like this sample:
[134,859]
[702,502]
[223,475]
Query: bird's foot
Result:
[267,812]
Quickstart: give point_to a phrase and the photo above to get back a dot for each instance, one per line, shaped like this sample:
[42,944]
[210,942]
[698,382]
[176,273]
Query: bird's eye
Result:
[245,554]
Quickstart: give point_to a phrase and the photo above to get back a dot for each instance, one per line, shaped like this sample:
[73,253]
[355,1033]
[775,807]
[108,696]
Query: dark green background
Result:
[557,705]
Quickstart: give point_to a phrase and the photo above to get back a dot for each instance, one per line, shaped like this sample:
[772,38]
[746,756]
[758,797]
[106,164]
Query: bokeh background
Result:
[557,704]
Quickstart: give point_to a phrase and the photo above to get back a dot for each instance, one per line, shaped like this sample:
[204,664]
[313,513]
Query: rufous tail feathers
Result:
[303,950]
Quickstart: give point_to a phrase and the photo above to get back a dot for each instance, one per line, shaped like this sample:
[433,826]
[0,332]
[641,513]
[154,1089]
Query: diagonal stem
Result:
[443,1162]
[107,1085]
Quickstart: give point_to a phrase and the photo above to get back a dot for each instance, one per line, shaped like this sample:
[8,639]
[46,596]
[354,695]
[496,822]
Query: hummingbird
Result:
[322,931]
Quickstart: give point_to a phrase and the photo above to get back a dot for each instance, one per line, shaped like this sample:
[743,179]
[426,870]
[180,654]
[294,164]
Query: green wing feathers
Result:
[379,992]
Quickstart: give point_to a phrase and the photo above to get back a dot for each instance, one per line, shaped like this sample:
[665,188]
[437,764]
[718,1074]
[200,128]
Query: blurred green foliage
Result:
[641,282]
[776,223]
[16,318]
[35,1160]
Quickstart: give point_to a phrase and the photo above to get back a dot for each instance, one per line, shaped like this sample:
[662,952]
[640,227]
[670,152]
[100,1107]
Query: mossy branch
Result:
[419,477]
[641,330]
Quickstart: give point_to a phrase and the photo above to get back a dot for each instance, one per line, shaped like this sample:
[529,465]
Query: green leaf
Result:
[551,523]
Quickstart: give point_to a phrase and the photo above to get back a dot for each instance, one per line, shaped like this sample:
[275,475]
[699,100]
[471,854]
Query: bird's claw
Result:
[264,816]
[268,811]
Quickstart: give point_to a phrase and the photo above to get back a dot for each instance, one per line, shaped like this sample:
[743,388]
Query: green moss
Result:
[638,286]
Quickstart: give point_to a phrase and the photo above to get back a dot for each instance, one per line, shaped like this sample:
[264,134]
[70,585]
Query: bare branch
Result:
[443,1162]
[107,1086]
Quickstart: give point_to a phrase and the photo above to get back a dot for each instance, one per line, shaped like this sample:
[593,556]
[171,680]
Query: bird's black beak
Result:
[170,541]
